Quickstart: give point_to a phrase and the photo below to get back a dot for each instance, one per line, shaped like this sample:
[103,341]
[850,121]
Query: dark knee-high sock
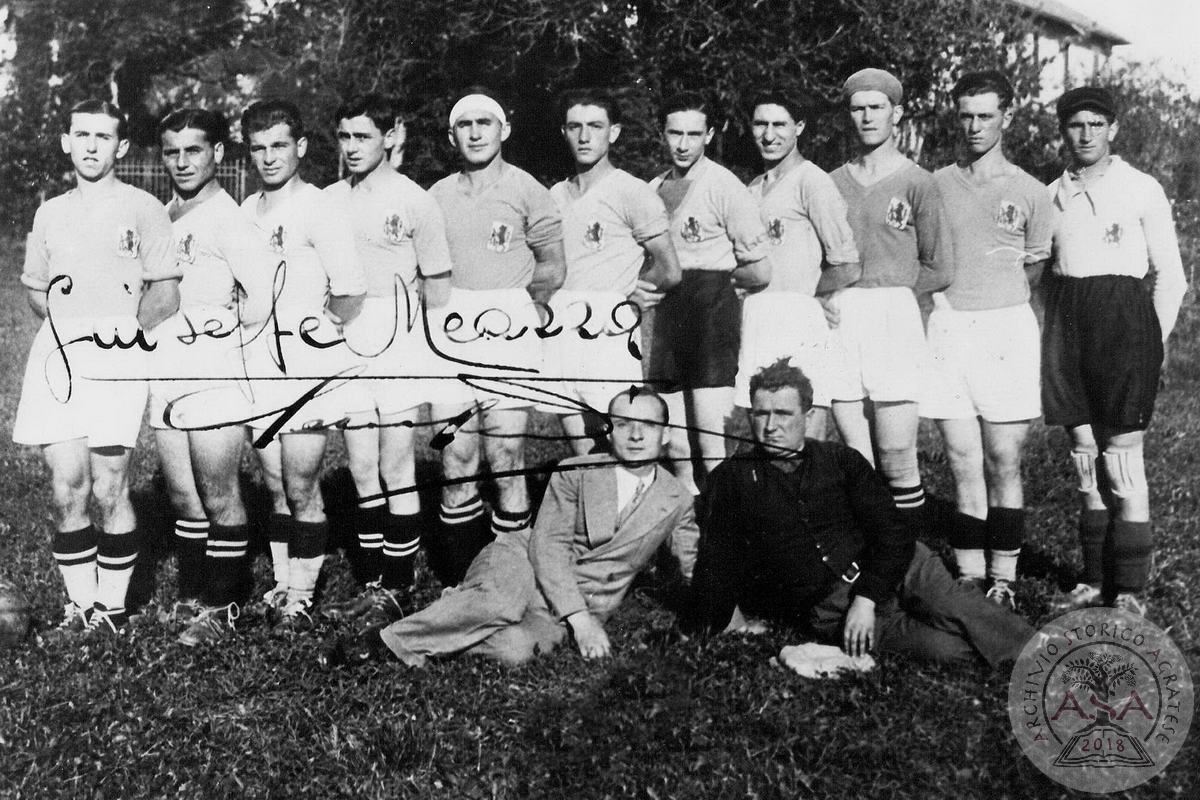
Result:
[1005,532]
[505,522]
[968,537]
[224,564]
[370,521]
[463,528]
[1131,546]
[1093,531]
[191,536]
[306,554]
[115,557]
[401,540]
[75,552]
[910,500]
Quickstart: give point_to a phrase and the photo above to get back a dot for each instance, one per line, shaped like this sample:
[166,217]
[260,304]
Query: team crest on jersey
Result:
[277,239]
[185,249]
[394,230]
[1010,217]
[775,230]
[691,230]
[500,239]
[128,242]
[898,214]
[593,236]
[1112,234]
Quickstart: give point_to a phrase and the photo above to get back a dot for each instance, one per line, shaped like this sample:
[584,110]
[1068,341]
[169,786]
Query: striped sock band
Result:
[402,540]
[369,523]
[462,531]
[509,521]
[910,500]
[224,562]
[116,554]
[75,552]
[190,536]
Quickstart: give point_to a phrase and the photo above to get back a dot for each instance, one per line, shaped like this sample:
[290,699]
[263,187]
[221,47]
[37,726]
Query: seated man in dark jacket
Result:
[805,533]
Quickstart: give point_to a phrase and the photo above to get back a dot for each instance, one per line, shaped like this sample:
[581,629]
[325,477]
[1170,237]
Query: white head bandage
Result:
[477,102]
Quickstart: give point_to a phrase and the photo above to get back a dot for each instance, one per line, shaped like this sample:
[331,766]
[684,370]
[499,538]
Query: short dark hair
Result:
[590,97]
[266,114]
[688,101]
[782,375]
[777,97]
[634,392]
[986,81]
[379,109]
[101,107]
[211,123]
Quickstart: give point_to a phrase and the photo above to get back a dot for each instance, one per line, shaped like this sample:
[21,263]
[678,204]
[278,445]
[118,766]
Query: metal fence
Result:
[152,177]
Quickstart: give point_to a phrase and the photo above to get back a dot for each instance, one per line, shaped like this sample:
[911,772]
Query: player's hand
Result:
[646,295]
[858,636]
[829,305]
[590,637]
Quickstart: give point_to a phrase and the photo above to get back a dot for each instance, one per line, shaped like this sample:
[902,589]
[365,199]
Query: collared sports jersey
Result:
[997,229]
[105,244]
[491,234]
[1119,225]
[900,229]
[398,229]
[603,231]
[715,224]
[805,218]
[313,242]
[216,245]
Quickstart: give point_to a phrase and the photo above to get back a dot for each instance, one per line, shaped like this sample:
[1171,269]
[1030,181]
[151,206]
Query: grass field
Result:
[146,717]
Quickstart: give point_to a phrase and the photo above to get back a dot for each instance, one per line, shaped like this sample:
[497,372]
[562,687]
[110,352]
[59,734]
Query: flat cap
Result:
[874,80]
[1091,98]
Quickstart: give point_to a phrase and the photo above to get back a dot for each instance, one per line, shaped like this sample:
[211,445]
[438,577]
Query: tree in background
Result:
[222,54]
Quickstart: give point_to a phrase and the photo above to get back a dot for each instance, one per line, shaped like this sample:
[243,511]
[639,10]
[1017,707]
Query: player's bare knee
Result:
[899,465]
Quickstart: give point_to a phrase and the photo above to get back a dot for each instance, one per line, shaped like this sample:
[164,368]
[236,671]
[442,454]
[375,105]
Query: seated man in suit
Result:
[806,533]
[602,520]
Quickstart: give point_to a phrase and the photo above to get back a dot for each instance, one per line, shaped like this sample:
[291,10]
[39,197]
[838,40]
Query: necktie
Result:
[631,506]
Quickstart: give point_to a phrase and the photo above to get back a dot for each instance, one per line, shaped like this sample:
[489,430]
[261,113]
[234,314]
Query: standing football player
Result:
[99,270]
[896,213]
[300,369]
[1103,342]
[719,238]
[401,241]
[198,406]
[505,237]
[812,252]
[984,336]
[611,223]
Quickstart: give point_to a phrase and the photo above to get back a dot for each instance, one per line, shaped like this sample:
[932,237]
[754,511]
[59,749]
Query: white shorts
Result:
[590,356]
[283,369]
[198,381]
[778,325]
[475,360]
[390,340]
[984,364]
[878,348]
[83,390]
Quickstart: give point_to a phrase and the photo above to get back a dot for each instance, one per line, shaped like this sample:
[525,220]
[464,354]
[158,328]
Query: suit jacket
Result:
[573,570]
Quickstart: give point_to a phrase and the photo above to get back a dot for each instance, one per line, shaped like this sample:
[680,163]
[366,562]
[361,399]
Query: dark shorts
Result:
[697,330]
[1101,352]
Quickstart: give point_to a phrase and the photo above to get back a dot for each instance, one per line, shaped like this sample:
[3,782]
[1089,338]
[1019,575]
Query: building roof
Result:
[1059,13]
